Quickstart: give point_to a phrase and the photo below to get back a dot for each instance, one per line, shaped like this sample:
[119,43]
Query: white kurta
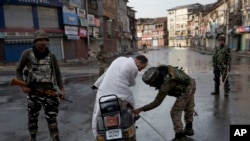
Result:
[116,80]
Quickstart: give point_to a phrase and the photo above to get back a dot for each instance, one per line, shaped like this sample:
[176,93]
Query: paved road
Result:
[215,113]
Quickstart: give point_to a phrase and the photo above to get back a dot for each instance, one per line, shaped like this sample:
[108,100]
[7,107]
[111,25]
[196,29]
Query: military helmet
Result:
[150,75]
[101,45]
[40,34]
[221,37]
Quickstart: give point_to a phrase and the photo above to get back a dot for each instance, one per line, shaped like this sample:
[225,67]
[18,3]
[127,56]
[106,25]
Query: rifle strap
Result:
[53,70]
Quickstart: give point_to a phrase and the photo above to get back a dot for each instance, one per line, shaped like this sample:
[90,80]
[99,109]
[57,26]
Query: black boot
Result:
[55,137]
[179,136]
[215,93]
[226,89]
[216,88]
[189,129]
[226,94]
[32,137]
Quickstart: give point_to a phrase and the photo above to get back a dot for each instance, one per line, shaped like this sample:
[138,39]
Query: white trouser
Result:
[94,118]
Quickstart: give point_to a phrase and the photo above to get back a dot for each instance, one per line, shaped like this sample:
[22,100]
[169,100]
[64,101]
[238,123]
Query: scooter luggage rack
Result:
[109,107]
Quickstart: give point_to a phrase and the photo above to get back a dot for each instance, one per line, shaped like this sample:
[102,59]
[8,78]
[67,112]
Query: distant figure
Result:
[101,57]
[221,64]
[144,46]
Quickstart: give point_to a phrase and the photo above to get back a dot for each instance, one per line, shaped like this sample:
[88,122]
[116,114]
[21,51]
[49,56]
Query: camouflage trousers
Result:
[50,105]
[217,76]
[101,68]
[184,103]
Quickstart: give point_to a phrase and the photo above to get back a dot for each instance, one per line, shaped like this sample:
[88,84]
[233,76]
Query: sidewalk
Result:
[71,69]
[211,52]
[74,69]
[67,71]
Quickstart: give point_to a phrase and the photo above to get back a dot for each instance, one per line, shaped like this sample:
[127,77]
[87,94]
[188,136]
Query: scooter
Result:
[116,121]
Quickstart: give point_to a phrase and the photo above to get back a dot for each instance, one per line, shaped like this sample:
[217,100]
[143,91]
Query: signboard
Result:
[82,32]
[67,9]
[243,29]
[72,37]
[95,32]
[1,34]
[70,19]
[83,22]
[91,19]
[75,3]
[246,28]
[71,30]
[97,22]
[56,3]
[180,37]
[90,31]
[81,13]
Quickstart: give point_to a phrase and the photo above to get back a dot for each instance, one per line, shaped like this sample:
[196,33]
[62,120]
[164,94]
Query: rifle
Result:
[47,92]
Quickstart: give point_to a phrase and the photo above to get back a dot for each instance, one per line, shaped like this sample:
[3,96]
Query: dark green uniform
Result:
[101,57]
[178,84]
[221,63]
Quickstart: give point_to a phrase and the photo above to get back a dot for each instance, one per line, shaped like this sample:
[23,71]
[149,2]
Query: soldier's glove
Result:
[94,87]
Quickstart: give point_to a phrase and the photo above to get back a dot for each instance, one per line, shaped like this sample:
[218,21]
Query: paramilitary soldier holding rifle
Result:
[43,76]
[222,65]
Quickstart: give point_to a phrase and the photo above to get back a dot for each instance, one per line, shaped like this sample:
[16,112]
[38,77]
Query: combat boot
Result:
[55,138]
[215,93]
[226,94]
[32,138]
[226,90]
[179,136]
[189,129]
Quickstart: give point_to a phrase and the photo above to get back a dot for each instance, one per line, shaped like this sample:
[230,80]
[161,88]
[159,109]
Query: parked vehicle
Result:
[116,121]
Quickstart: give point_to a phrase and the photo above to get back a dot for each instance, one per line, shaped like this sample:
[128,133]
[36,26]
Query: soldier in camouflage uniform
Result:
[175,82]
[101,57]
[221,63]
[43,73]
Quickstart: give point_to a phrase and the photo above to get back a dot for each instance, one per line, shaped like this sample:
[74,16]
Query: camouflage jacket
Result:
[39,70]
[175,84]
[101,56]
[222,58]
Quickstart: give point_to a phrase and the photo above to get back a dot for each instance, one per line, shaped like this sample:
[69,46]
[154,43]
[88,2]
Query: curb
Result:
[66,80]
[5,83]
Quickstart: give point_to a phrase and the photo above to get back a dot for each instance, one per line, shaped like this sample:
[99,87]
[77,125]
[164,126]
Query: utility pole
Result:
[226,13]
[87,12]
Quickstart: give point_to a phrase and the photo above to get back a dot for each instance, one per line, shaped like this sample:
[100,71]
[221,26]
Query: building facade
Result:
[206,22]
[19,20]
[75,27]
[152,32]
[183,24]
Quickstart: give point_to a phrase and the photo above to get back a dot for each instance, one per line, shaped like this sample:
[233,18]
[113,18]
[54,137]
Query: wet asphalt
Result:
[215,113]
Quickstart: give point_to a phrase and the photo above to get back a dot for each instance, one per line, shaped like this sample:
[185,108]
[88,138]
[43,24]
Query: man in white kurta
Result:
[116,80]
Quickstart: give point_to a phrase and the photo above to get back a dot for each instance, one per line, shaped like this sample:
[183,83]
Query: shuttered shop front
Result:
[18,16]
[48,17]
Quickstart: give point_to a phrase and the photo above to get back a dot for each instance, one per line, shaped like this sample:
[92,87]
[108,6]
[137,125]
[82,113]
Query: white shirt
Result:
[118,78]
